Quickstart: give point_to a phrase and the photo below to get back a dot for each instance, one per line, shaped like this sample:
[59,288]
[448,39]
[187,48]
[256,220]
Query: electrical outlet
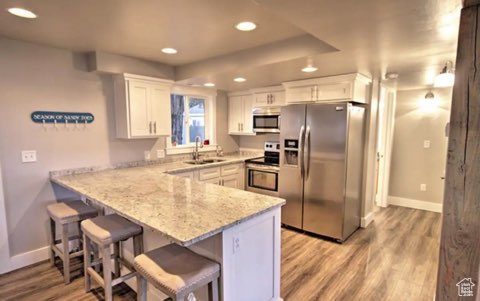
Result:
[147,155]
[29,156]
[160,153]
[426,143]
[236,244]
[423,187]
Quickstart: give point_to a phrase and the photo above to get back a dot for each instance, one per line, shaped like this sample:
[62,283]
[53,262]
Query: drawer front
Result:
[208,173]
[212,181]
[230,170]
[334,91]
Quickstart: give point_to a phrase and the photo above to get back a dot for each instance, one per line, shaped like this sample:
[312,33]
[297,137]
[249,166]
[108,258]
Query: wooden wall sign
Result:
[61,117]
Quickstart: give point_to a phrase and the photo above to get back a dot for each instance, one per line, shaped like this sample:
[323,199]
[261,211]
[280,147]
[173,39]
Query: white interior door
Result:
[386,119]
[4,245]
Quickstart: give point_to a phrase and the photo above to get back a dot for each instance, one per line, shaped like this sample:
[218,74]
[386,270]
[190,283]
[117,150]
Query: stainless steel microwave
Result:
[266,120]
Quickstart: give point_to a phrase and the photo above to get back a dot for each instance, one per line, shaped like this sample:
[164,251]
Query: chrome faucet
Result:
[219,151]
[195,154]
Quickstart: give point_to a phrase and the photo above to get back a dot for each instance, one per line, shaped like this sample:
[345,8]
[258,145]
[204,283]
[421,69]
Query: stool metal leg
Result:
[107,272]
[66,254]
[52,241]
[213,290]
[141,288]
[87,262]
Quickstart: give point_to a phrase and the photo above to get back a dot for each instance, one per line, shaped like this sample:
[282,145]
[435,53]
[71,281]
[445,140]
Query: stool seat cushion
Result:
[69,212]
[175,269]
[108,229]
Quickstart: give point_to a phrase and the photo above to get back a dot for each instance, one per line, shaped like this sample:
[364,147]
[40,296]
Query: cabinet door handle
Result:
[155,127]
[311,92]
[150,127]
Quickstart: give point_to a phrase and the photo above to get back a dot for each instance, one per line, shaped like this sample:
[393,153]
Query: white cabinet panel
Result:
[231,181]
[139,109]
[230,170]
[300,94]
[240,119]
[160,110]
[142,106]
[208,173]
[347,87]
[333,92]
[247,124]
[212,181]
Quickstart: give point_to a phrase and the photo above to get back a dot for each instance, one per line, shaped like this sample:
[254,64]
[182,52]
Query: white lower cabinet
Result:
[231,175]
[227,175]
[231,181]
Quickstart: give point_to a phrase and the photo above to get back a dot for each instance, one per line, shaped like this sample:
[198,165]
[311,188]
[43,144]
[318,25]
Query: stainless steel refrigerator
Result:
[321,167]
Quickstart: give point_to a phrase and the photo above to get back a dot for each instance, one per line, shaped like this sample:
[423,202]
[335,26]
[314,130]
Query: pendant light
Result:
[446,78]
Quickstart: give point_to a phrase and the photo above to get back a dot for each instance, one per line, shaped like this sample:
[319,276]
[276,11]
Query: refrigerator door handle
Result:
[301,151]
[306,152]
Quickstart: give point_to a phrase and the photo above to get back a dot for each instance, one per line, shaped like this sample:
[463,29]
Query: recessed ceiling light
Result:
[239,79]
[169,50]
[246,26]
[209,84]
[309,69]
[21,12]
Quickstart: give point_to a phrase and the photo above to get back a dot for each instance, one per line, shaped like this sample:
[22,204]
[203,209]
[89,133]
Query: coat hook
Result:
[66,124]
[55,124]
[76,124]
[85,124]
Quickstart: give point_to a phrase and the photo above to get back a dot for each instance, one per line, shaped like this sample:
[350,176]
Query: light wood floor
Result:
[395,258]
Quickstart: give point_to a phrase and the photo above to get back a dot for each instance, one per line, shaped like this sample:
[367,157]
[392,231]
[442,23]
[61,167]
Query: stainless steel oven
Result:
[262,179]
[262,173]
[266,120]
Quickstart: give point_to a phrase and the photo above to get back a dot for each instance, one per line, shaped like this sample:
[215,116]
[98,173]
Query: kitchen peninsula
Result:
[238,229]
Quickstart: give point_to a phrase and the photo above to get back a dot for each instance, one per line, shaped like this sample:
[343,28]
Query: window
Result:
[188,119]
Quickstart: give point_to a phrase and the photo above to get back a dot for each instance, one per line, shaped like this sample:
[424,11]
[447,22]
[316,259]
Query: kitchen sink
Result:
[203,161]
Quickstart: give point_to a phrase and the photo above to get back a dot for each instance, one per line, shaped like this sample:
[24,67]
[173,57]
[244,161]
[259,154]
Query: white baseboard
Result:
[416,204]
[366,220]
[28,258]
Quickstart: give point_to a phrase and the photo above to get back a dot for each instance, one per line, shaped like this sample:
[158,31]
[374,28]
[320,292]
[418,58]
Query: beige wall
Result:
[34,78]
[412,164]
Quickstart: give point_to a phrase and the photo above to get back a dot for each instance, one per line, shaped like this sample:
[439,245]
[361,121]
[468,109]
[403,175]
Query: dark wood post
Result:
[460,240]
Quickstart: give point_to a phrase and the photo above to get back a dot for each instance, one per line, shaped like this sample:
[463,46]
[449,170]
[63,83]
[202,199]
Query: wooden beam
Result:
[468,3]
[460,240]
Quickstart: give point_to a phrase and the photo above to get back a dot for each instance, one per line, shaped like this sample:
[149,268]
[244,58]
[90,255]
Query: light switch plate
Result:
[423,187]
[160,153]
[29,156]
[426,143]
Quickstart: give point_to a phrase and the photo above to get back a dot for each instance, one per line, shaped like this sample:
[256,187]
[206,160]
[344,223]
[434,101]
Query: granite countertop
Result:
[185,211]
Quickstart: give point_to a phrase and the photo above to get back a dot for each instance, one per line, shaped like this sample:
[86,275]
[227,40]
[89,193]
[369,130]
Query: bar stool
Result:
[177,272]
[65,214]
[106,231]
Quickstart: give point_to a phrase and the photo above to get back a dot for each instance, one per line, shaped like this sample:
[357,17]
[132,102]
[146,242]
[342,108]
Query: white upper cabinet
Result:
[348,87]
[240,118]
[142,106]
[268,97]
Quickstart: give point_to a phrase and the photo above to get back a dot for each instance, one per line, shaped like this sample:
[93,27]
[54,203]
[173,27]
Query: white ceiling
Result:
[411,37]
